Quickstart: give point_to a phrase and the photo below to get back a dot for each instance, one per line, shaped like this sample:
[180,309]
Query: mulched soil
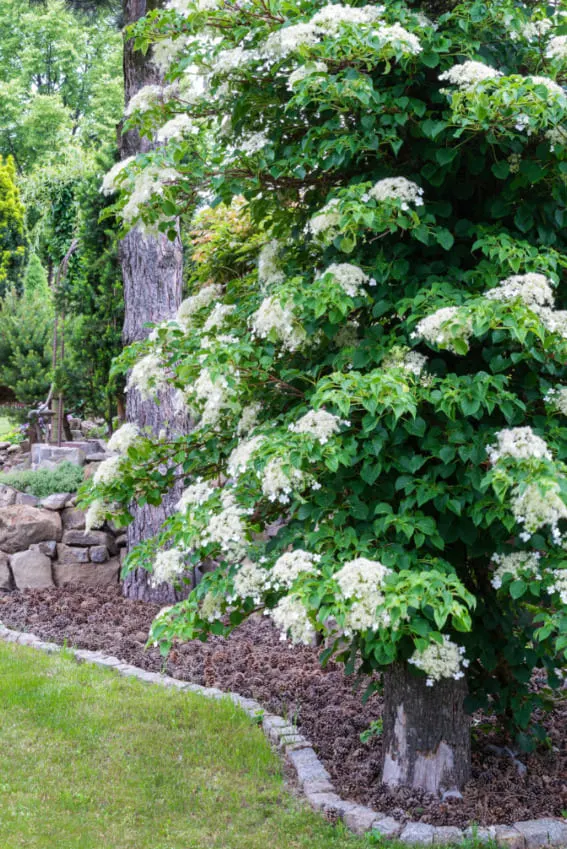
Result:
[290,682]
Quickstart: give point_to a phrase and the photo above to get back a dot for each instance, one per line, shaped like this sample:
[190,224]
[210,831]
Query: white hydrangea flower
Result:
[305,71]
[147,376]
[196,302]
[251,581]
[218,316]
[252,143]
[408,43]
[411,362]
[536,29]
[145,99]
[108,471]
[210,609]
[287,39]
[556,136]
[325,225]
[350,278]
[290,616]
[362,580]
[269,272]
[177,128]
[168,565]
[516,564]
[166,51]
[557,47]
[521,443]
[184,7]
[435,328]
[331,17]
[248,418]
[215,394]
[231,60]
[226,528]
[290,566]
[274,318]
[532,289]
[96,515]
[195,494]
[440,660]
[110,181]
[554,89]
[318,423]
[278,484]
[557,397]
[554,320]
[535,508]
[468,74]
[149,182]
[242,454]
[123,438]
[397,188]
[559,586]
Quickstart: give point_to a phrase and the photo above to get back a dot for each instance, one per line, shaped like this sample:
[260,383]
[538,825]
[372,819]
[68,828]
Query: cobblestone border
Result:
[312,776]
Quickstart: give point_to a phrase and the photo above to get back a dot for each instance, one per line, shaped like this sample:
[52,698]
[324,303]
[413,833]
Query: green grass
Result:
[89,760]
[5,426]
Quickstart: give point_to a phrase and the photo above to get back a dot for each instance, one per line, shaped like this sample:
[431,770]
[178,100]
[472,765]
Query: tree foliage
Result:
[380,444]
[12,237]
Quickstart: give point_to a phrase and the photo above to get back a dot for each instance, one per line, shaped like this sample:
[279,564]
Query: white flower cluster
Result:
[214,393]
[123,438]
[559,586]
[304,71]
[350,278]
[251,581]
[290,616]
[325,225]
[287,39]
[147,376]
[411,362]
[273,318]
[533,289]
[148,97]
[536,29]
[362,581]
[168,565]
[148,182]
[440,660]
[196,494]
[318,423]
[110,181]
[331,17]
[241,455]
[397,188]
[108,471]
[557,397]
[248,418]
[227,528]
[521,443]
[554,320]
[277,484]
[534,509]
[269,271]
[407,42]
[435,328]
[218,316]
[196,302]
[515,565]
[166,51]
[252,143]
[177,128]
[469,74]
[557,47]
[96,515]
[230,60]
[556,136]
[290,566]
[209,608]
[553,88]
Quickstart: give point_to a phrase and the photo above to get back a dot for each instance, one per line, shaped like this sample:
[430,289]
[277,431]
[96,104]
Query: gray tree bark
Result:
[152,276]
[426,732]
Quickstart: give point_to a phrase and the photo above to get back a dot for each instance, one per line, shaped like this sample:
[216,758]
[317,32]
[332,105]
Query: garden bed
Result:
[289,681]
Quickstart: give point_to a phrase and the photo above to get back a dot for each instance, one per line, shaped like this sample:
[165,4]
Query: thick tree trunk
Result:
[152,277]
[426,732]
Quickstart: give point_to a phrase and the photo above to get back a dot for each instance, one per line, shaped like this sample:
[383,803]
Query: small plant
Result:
[65,478]
[375,729]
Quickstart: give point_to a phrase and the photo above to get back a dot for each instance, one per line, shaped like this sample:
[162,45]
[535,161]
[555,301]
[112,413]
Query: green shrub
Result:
[65,478]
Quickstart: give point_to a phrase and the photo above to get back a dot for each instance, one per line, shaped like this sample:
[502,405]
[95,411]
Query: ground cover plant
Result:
[379,400]
[43,482]
[178,773]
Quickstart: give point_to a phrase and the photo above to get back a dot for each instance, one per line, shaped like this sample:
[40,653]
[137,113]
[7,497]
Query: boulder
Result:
[69,554]
[27,499]
[49,547]
[57,501]
[7,496]
[4,445]
[13,449]
[99,553]
[88,538]
[5,574]
[31,570]
[73,519]
[87,574]
[122,541]
[21,526]
[49,456]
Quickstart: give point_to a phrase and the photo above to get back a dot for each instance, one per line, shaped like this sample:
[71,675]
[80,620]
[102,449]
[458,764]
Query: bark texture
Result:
[426,732]
[152,277]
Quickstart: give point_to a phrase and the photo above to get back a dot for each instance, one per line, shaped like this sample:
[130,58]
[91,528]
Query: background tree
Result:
[12,237]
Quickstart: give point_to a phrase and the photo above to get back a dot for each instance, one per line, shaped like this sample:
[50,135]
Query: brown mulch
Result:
[290,681]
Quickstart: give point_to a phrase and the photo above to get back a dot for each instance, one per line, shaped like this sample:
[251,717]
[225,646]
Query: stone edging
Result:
[312,775]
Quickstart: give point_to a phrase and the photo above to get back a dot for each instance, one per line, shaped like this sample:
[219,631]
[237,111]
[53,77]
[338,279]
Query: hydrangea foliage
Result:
[379,449]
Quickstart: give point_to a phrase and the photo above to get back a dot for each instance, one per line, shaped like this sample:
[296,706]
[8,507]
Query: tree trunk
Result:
[426,732]
[152,278]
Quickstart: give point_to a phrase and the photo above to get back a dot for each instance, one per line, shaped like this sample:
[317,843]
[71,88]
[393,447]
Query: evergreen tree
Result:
[12,239]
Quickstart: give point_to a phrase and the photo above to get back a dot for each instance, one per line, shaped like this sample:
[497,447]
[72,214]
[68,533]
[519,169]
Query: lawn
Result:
[89,760]
[5,426]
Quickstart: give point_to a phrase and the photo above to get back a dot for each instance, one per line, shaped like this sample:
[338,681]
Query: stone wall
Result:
[43,543]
